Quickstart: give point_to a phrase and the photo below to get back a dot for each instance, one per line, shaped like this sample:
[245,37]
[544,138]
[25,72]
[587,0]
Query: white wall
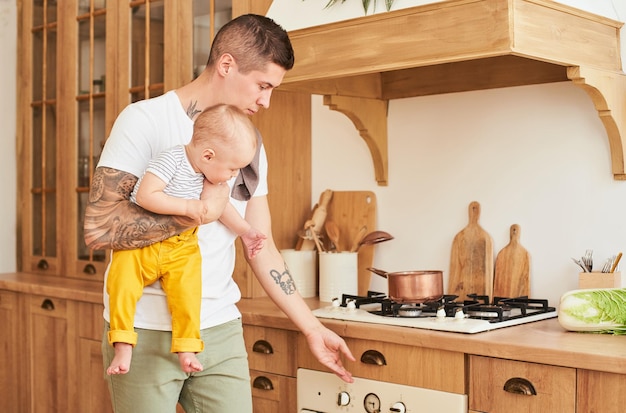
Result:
[8,30]
[537,156]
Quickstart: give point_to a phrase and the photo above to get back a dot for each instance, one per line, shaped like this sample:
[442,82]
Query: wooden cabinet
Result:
[12,347]
[88,390]
[497,385]
[46,345]
[51,355]
[398,363]
[272,358]
[80,63]
[600,392]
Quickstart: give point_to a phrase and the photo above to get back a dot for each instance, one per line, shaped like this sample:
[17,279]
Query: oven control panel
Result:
[324,392]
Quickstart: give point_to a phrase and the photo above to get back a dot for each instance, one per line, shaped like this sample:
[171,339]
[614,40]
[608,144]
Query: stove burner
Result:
[488,311]
[409,310]
[475,306]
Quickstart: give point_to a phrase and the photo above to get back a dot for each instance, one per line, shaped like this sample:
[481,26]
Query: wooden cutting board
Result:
[351,210]
[471,259]
[512,275]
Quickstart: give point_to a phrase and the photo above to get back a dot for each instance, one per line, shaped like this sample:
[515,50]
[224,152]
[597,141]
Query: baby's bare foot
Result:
[121,362]
[189,362]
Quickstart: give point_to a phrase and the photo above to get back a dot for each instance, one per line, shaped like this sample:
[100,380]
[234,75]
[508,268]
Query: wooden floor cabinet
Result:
[272,357]
[11,354]
[48,345]
[51,355]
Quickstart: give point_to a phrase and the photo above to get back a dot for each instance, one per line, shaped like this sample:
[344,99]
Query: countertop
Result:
[543,342]
[53,286]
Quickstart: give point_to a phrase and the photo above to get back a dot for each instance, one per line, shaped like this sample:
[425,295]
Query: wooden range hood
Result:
[460,45]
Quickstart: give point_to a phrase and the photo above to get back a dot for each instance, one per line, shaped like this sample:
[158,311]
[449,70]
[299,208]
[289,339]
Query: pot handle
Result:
[378,272]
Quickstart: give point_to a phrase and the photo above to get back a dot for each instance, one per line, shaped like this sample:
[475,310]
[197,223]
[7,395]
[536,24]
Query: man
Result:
[249,58]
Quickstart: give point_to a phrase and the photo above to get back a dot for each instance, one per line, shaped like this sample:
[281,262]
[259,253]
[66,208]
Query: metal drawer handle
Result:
[262,383]
[518,385]
[373,357]
[262,346]
[42,264]
[47,304]
[89,269]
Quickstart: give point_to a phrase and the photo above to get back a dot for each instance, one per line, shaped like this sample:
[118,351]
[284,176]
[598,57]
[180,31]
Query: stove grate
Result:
[475,306]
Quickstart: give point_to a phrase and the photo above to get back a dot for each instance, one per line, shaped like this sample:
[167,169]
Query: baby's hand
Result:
[254,241]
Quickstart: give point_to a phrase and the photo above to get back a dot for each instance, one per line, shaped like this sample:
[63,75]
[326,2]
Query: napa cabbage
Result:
[598,310]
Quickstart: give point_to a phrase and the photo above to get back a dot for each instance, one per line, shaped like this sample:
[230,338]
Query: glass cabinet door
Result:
[80,63]
[147,46]
[90,16]
[40,239]
[208,17]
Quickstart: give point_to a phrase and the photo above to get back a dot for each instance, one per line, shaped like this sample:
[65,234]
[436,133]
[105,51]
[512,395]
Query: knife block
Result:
[601,280]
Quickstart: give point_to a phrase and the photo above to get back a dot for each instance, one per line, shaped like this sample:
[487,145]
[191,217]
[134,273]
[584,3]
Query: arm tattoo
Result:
[284,280]
[112,221]
[192,111]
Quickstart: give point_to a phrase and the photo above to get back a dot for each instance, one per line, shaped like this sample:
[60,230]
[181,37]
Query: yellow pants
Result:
[176,263]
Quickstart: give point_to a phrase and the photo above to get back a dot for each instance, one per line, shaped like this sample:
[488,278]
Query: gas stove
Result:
[475,314]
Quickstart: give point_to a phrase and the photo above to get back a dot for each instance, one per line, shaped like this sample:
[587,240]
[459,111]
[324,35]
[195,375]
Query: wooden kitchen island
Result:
[51,331]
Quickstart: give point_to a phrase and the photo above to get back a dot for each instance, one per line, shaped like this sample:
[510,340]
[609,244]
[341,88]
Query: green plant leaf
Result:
[366,5]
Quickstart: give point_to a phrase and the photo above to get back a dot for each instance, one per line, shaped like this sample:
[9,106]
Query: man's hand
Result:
[328,347]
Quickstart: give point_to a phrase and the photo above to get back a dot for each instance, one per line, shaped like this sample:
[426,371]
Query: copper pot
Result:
[413,286]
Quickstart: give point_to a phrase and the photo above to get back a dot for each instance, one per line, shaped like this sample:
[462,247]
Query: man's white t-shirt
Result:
[143,130]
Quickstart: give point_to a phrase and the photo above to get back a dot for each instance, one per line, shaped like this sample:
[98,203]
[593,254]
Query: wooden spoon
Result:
[332,230]
[358,239]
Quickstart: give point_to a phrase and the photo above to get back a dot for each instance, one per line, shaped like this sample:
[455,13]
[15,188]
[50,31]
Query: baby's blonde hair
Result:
[224,127]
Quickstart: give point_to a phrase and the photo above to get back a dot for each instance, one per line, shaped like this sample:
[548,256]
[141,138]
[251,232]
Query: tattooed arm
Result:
[269,268]
[112,221]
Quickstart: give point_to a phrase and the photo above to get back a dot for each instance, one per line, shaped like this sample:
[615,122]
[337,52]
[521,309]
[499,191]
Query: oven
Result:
[324,392]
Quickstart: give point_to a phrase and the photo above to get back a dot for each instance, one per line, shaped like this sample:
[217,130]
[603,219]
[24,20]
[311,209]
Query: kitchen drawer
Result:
[397,363]
[271,350]
[46,306]
[498,385]
[273,393]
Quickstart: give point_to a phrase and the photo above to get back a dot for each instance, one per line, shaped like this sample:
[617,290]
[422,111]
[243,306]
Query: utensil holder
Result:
[302,266]
[601,280]
[338,274]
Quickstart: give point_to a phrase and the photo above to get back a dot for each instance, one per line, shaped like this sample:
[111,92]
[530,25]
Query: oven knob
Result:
[371,403]
[398,407]
[343,398]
